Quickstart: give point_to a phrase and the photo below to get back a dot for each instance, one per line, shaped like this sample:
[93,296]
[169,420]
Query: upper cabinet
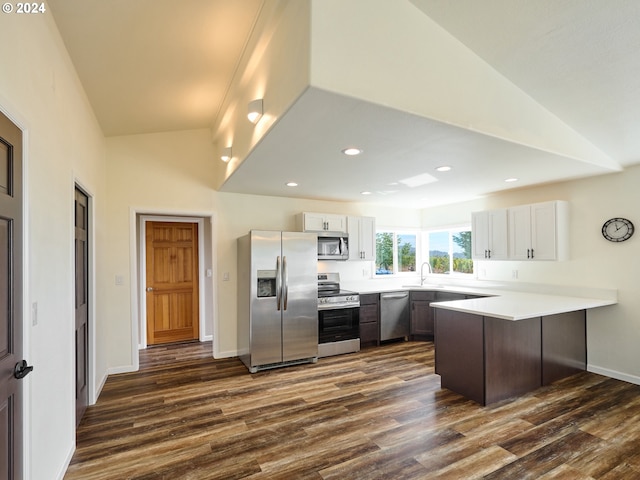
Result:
[539,231]
[323,222]
[526,232]
[362,238]
[489,237]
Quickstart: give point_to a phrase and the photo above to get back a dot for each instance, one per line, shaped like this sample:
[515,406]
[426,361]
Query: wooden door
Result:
[81,294]
[11,318]
[172,282]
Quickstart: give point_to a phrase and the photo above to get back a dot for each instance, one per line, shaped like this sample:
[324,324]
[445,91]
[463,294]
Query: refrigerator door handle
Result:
[278,283]
[285,283]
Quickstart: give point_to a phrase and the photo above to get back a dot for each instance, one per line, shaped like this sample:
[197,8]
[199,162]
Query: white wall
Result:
[613,333]
[40,91]
[173,173]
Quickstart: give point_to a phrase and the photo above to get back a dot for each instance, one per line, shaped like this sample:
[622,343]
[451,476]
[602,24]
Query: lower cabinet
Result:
[489,359]
[422,315]
[369,319]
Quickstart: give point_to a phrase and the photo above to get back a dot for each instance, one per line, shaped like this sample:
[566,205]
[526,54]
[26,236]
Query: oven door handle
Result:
[337,306]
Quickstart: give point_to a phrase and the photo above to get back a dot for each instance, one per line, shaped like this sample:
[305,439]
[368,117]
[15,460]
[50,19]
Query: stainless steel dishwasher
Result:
[394,315]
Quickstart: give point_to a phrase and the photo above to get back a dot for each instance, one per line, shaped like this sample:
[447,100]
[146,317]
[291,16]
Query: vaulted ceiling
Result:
[160,65]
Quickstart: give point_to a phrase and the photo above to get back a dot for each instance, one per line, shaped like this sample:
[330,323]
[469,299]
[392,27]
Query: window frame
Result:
[394,268]
[422,250]
[451,230]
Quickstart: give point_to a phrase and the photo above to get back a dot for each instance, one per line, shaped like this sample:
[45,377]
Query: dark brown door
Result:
[172,282]
[82,295]
[11,321]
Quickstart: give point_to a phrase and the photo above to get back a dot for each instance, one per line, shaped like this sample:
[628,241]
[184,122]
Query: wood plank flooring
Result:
[376,414]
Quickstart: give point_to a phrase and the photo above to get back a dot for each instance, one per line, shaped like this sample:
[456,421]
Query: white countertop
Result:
[508,301]
[518,306]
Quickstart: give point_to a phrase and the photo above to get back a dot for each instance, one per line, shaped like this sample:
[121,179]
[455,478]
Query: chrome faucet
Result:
[422,270]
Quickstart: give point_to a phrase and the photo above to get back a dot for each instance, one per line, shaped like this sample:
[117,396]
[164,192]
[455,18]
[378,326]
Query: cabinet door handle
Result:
[528,255]
[532,253]
[489,253]
[485,254]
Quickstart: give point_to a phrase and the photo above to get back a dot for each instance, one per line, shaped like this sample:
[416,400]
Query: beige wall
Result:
[274,68]
[172,173]
[613,333]
[64,145]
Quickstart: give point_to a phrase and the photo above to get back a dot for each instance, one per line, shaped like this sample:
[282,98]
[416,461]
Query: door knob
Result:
[21,369]
[149,289]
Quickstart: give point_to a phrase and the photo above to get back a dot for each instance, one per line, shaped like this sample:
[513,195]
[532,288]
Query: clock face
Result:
[617,229]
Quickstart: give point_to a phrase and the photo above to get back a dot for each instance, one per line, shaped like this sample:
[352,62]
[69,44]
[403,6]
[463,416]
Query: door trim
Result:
[144,219]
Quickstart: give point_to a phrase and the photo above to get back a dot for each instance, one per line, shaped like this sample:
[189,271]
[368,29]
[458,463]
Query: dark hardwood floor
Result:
[376,414]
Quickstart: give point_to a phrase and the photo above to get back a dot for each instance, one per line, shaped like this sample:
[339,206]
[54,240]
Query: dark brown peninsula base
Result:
[489,359]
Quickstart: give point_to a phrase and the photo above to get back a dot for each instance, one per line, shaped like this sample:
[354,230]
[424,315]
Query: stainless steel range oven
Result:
[338,317]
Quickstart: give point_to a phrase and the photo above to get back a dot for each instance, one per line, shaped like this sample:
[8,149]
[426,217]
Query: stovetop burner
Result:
[330,295]
[335,293]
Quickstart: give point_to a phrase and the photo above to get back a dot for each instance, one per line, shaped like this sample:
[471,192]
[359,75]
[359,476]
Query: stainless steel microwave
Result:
[333,246]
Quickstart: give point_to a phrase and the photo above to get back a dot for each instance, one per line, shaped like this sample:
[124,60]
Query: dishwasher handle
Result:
[395,295]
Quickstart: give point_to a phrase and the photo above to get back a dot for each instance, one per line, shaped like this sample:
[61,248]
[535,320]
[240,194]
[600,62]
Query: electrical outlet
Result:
[34,313]
[514,274]
[225,277]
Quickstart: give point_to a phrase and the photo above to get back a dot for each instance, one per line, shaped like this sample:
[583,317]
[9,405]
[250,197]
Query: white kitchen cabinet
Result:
[323,222]
[539,231]
[489,235]
[362,238]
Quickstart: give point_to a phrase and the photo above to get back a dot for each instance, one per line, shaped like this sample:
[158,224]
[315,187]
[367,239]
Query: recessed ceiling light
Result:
[351,151]
[443,168]
[512,179]
[292,184]
[365,193]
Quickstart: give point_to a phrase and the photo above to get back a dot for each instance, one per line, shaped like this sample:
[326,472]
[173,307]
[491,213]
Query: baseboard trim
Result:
[625,377]
[67,462]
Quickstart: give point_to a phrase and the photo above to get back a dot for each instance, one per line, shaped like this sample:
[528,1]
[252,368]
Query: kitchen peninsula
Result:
[500,340]
[492,348]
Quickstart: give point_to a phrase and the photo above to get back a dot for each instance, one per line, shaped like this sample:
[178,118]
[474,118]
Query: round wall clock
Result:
[617,229]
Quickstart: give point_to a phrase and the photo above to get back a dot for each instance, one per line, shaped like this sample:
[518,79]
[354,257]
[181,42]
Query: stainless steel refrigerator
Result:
[277,299]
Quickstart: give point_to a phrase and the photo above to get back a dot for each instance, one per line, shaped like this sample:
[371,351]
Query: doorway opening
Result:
[172,253]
